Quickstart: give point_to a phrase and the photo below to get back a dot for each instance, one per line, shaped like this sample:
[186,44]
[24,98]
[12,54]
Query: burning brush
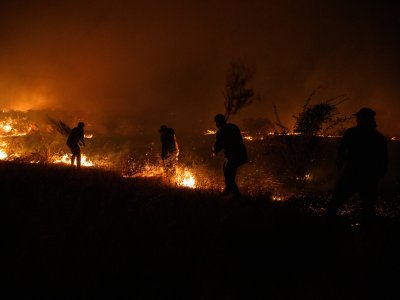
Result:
[182,176]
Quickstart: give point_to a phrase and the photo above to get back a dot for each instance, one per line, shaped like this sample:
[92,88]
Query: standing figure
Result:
[76,139]
[169,149]
[362,158]
[229,139]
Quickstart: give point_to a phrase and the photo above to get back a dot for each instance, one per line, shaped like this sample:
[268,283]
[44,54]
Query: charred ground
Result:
[93,234]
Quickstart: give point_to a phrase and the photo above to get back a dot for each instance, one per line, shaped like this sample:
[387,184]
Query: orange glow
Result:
[210,132]
[278,198]
[248,137]
[66,160]
[183,177]
[14,127]
[10,128]
[3,154]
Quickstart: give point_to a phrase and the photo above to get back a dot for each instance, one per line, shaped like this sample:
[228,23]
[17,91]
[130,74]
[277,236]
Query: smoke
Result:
[128,67]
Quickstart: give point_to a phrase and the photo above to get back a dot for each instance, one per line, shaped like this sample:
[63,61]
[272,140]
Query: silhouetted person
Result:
[169,149]
[76,139]
[229,139]
[362,158]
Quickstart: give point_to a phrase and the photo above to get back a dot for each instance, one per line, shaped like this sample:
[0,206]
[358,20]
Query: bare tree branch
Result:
[237,94]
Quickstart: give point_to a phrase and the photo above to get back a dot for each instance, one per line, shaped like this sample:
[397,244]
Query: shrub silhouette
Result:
[293,156]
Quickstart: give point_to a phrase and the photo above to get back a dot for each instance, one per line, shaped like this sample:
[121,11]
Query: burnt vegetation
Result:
[293,153]
[322,118]
[93,234]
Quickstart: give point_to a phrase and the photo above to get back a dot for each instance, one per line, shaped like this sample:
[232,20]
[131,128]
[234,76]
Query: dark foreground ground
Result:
[94,235]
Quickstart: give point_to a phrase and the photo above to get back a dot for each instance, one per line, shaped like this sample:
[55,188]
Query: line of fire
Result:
[23,139]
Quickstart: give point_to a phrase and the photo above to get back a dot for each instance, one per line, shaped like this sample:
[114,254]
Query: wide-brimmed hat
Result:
[365,112]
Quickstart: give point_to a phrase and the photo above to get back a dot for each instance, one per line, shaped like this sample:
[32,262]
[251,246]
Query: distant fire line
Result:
[261,135]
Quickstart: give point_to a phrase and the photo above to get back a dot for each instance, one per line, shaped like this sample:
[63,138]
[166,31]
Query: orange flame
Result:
[66,159]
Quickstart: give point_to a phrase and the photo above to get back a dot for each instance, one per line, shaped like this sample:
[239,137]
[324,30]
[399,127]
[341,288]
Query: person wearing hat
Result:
[75,140]
[229,139]
[362,160]
[169,148]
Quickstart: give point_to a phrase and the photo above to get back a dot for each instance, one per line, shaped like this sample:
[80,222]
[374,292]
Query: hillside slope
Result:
[91,234]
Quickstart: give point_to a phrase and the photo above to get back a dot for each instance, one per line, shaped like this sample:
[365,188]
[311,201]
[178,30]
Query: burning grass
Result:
[49,147]
[280,164]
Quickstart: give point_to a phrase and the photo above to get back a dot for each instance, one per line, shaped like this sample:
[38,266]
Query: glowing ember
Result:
[89,135]
[278,198]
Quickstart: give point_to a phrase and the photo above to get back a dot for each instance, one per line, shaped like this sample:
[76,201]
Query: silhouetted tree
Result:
[294,156]
[319,118]
[237,94]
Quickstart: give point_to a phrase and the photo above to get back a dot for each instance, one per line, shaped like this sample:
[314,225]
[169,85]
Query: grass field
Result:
[92,234]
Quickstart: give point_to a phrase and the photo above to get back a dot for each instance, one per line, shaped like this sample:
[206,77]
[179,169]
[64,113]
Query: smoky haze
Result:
[127,67]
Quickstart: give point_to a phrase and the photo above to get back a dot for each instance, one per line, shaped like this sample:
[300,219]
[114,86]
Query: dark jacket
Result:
[168,142]
[363,151]
[229,139]
[76,136]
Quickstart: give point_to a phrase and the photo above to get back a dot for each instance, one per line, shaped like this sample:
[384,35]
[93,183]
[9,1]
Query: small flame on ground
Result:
[66,159]
[278,198]
[210,132]
[248,137]
[185,179]
[306,177]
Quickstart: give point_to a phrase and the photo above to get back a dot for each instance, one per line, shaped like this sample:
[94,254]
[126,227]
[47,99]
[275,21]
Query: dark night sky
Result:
[122,64]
